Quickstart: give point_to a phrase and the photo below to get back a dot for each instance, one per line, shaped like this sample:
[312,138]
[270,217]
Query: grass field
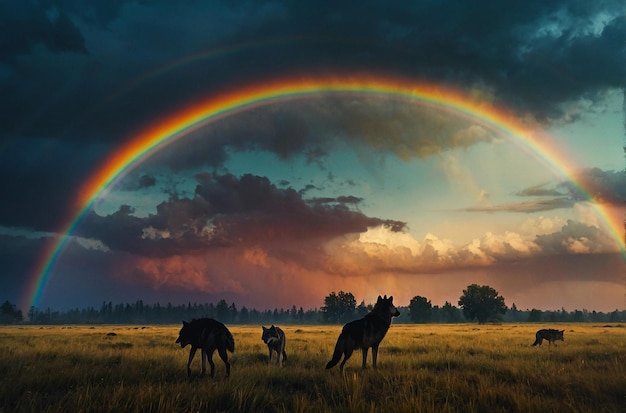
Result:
[429,368]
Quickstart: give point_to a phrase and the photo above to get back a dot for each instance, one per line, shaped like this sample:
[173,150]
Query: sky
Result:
[284,201]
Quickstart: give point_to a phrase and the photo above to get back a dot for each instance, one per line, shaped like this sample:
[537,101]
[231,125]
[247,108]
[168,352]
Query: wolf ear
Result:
[385,297]
[184,323]
[391,298]
[380,298]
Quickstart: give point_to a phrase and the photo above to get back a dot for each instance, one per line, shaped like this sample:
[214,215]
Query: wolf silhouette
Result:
[207,335]
[275,339]
[549,334]
[364,333]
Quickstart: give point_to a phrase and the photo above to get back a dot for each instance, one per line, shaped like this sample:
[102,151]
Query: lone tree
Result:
[420,309]
[338,307]
[481,302]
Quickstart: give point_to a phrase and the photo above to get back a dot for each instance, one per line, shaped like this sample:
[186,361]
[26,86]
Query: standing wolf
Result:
[207,335]
[274,337]
[548,334]
[364,333]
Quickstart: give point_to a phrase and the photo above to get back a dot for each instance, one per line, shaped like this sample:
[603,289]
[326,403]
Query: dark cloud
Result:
[16,256]
[131,61]
[318,126]
[41,181]
[602,186]
[142,181]
[24,25]
[230,212]
[92,74]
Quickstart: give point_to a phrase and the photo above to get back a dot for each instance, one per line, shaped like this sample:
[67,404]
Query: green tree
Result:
[535,316]
[232,313]
[420,309]
[362,309]
[449,313]
[244,315]
[222,311]
[338,307]
[481,302]
[514,314]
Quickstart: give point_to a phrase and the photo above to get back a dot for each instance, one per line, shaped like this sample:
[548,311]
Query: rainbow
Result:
[199,114]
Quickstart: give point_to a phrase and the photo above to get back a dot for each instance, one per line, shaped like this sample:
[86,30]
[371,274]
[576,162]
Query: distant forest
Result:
[141,313]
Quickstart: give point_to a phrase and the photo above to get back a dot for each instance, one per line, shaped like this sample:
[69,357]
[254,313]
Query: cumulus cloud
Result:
[364,262]
[228,211]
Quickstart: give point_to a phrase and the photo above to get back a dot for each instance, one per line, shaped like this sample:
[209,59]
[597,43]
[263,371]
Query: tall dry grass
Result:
[428,368]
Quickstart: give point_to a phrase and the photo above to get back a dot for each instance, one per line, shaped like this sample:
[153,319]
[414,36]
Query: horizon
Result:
[305,309]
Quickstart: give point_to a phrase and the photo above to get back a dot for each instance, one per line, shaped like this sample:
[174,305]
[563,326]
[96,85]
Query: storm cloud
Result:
[230,212]
[89,75]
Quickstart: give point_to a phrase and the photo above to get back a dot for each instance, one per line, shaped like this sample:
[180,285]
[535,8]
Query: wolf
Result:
[207,335]
[275,339]
[364,333]
[548,334]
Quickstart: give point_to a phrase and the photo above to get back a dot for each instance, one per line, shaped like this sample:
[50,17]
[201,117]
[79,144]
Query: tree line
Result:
[477,304]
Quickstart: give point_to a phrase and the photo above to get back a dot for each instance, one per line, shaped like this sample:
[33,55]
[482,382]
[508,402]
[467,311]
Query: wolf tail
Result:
[538,340]
[339,348]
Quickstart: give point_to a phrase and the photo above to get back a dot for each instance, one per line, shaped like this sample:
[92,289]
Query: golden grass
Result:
[428,368]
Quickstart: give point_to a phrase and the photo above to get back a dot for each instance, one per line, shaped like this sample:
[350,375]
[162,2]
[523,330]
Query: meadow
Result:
[421,368]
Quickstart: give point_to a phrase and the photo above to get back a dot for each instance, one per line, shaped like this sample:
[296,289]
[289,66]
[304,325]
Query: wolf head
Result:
[386,304]
[186,334]
[559,335]
[269,334]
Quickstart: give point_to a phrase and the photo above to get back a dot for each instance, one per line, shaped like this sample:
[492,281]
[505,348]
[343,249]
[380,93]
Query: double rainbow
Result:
[177,126]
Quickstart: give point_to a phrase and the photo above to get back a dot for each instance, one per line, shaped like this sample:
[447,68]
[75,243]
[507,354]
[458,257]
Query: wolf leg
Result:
[210,358]
[281,353]
[269,357]
[364,354]
[191,354]
[204,357]
[224,356]
[374,355]
[282,356]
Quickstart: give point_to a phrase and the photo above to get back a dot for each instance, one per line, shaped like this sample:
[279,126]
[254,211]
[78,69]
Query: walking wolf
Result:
[549,334]
[207,335]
